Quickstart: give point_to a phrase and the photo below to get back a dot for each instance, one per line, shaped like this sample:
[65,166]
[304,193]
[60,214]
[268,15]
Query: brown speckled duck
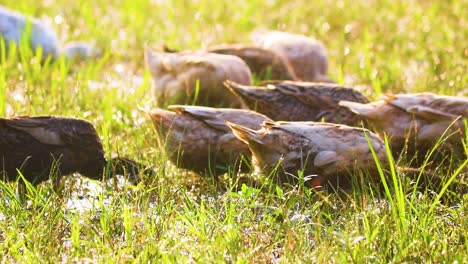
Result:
[300,101]
[184,77]
[331,151]
[307,56]
[415,122]
[197,138]
[44,145]
[264,63]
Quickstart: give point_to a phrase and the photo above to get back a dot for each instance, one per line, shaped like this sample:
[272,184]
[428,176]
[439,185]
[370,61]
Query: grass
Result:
[375,46]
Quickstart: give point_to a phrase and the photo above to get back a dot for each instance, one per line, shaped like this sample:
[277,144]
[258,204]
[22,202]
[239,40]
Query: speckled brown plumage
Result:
[191,76]
[415,122]
[300,101]
[331,151]
[307,56]
[197,138]
[265,64]
[34,144]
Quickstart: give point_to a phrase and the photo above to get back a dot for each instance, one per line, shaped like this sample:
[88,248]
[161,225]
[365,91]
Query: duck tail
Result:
[245,134]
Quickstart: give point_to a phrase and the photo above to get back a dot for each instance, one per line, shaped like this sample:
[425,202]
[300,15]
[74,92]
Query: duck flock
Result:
[297,121]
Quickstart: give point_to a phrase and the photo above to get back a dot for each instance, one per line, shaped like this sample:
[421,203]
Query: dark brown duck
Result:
[42,146]
[300,101]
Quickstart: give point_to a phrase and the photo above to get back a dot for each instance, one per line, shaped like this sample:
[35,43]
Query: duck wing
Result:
[55,131]
[317,94]
[429,106]
[38,128]
[333,144]
[259,60]
[217,117]
[205,114]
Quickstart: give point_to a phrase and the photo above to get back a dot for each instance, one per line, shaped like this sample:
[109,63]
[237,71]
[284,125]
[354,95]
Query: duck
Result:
[300,101]
[14,25]
[329,156]
[307,56]
[41,147]
[264,64]
[327,152]
[413,123]
[197,138]
[195,76]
